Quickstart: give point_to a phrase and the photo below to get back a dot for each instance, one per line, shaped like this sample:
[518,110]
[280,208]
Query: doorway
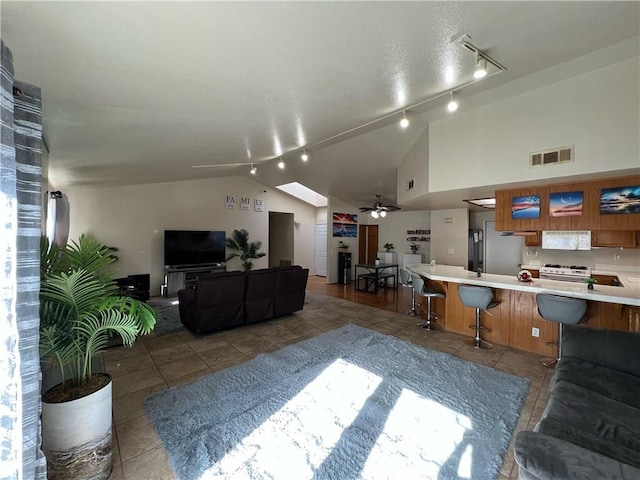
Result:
[320,251]
[367,243]
[280,239]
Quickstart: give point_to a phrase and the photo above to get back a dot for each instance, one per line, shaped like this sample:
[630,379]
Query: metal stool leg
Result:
[412,311]
[430,324]
[479,342]
[552,362]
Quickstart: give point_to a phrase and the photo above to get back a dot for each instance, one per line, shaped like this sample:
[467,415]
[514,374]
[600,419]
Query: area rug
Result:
[167,317]
[348,404]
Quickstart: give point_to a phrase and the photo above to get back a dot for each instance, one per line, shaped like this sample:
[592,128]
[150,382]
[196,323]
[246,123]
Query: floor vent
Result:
[551,157]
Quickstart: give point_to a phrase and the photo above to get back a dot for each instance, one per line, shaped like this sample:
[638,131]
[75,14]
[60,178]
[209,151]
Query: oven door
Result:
[561,277]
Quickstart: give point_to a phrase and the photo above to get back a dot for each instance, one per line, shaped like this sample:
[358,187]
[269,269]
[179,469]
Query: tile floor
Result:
[156,363]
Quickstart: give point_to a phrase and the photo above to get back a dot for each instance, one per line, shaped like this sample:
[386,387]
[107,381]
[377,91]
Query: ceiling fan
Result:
[378,209]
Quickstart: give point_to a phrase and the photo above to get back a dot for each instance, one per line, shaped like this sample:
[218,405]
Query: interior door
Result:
[321,249]
[367,243]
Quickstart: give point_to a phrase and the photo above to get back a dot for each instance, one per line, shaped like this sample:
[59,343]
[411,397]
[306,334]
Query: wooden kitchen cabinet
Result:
[591,218]
[614,238]
[533,240]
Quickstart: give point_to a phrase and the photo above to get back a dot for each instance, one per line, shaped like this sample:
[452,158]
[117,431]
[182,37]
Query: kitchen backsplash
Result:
[599,259]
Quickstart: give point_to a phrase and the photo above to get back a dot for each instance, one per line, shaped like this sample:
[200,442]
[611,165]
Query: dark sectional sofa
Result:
[590,428]
[228,299]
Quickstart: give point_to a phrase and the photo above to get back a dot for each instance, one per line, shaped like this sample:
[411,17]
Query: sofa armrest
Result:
[615,349]
[541,457]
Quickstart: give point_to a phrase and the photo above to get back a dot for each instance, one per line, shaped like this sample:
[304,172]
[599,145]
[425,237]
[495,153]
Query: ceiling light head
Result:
[281,164]
[481,67]
[304,155]
[404,122]
[383,213]
[253,170]
[374,213]
[452,105]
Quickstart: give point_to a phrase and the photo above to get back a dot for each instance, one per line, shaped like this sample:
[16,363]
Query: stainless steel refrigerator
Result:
[502,254]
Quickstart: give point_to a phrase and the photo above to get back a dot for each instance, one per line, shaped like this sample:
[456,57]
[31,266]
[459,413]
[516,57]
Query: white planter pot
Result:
[76,437]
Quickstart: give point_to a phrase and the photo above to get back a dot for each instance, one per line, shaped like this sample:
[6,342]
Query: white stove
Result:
[566,273]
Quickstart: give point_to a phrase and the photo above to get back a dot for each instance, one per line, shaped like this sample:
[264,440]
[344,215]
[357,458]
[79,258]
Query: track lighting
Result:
[453,105]
[374,214]
[304,155]
[281,164]
[253,170]
[481,67]
[404,122]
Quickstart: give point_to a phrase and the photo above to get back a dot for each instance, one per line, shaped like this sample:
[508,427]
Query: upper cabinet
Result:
[592,205]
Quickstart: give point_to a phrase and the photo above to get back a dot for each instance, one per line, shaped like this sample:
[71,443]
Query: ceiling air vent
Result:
[550,157]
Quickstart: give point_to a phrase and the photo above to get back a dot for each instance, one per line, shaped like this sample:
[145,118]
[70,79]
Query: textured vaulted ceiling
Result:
[139,92]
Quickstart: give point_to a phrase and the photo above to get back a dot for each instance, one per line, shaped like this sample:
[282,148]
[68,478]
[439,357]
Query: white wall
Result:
[414,166]
[596,111]
[477,219]
[393,229]
[447,235]
[338,206]
[321,215]
[133,218]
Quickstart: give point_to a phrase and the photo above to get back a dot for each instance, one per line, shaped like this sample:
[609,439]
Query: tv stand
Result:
[178,277]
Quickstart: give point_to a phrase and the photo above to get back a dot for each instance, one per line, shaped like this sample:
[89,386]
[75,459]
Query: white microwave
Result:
[572,240]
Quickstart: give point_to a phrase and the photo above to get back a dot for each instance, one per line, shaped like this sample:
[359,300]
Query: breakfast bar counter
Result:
[515,321]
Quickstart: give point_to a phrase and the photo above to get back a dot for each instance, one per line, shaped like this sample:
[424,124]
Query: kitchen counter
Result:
[626,294]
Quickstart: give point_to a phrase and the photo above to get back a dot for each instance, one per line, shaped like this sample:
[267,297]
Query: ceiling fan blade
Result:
[366,209]
[390,208]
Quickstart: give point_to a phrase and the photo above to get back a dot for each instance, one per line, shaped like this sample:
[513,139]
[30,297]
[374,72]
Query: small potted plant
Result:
[343,246]
[388,247]
[590,282]
[414,248]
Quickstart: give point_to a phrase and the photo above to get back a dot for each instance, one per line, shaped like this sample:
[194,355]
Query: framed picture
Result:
[231,201]
[258,205]
[620,200]
[345,225]
[525,207]
[245,203]
[566,204]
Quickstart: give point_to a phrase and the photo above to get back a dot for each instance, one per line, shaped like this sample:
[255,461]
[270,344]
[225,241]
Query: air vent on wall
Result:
[551,157]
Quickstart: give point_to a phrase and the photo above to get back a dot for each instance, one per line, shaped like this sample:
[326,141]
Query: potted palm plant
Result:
[81,308]
[240,247]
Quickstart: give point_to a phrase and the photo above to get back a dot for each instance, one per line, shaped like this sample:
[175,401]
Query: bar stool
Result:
[480,298]
[563,310]
[405,281]
[420,289]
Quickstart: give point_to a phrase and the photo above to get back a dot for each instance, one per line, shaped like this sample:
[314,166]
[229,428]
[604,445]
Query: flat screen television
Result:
[191,247]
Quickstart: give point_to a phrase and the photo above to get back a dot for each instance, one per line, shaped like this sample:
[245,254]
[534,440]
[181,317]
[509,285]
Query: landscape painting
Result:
[525,207]
[620,200]
[566,204]
[345,225]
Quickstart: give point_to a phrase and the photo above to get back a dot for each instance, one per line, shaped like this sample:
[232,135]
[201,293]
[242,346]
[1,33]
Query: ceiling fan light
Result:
[374,213]
[383,213]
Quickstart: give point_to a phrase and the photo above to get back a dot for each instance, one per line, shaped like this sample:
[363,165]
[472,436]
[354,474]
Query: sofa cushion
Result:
[592,421]
[261,285]
[614,384]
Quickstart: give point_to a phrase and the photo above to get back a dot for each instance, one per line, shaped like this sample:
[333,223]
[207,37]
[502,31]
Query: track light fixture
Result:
[281,164]
[452,106]
[481,67]
[404,122]
[253,170]
[304,155]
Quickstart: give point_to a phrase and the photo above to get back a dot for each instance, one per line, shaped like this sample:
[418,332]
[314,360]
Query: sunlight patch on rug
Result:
[294,441]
